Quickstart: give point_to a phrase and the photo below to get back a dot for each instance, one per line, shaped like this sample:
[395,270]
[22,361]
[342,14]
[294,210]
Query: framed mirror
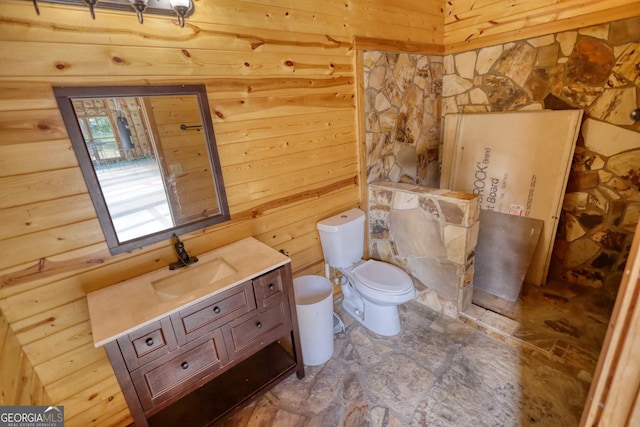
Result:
[148,155]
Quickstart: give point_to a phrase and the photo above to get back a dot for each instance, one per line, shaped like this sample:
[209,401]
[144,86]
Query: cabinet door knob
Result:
[184,365]
[216,309]
[272,286]
[149,341]
[259,325]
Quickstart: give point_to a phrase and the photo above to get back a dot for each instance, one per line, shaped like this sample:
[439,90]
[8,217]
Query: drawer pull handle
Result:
[184,365]
[272,286]
[216,309]
[259,325]
[149,341]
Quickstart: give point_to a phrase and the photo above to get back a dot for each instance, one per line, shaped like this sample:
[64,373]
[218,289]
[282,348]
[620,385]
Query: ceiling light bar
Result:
[179,8]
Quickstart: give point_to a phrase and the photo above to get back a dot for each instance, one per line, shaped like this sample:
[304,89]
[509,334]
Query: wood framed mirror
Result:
[148,155]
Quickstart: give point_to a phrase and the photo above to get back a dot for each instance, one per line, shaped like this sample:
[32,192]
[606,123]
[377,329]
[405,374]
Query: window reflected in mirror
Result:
[151,156]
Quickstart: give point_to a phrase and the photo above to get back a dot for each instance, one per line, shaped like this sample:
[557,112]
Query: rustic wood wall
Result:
[281,82]
[470,24]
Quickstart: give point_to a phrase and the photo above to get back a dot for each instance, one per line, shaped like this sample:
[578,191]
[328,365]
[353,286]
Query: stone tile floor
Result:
[562,321]
[436,372]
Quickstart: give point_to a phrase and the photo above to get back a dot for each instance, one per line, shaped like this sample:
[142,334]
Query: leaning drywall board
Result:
[518,163]
[506,245]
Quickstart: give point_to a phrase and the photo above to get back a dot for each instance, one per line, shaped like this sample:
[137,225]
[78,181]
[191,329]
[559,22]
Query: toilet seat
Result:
[383,277]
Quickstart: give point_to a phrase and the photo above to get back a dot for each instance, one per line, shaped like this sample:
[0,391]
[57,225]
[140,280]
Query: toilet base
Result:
[382,319]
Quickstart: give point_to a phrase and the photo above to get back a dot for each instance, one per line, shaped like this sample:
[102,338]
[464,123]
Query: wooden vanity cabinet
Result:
[204,360]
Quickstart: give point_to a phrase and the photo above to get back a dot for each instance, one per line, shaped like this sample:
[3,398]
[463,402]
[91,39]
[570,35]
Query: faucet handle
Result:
[183,257]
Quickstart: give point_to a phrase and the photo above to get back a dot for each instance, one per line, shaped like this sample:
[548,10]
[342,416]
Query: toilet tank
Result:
[342,238]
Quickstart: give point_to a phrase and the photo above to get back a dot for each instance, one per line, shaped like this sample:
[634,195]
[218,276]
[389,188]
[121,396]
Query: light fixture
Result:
[180,8]
[139,6]
[92,5]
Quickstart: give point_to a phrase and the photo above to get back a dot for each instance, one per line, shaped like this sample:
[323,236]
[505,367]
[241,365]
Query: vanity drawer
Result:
[180,371]
[269,288]
[211,313]
[254,331]
[147,343]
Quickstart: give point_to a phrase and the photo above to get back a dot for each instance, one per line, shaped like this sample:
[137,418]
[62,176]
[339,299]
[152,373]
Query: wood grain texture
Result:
[280,77]
[471,24]
[19,383]
[23,126]
[370,43]
[18,159]
[40,186]
[613,396]
[362,141]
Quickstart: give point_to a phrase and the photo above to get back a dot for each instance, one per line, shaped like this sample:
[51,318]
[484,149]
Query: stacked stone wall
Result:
[431,234]
[402,107]
[595,69]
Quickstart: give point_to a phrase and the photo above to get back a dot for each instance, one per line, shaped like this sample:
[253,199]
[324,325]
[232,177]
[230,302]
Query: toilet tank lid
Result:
[345,219]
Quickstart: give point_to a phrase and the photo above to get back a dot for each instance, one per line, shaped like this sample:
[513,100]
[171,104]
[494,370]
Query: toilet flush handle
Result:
[635,115]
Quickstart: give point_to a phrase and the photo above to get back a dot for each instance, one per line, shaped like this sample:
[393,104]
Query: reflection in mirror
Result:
[149,157]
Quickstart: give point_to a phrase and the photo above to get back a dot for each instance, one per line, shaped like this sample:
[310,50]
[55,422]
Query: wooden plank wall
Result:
[281,82]
[470,24]
[615,392]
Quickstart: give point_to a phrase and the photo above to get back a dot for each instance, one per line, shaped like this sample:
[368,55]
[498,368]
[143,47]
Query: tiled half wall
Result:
[432,235]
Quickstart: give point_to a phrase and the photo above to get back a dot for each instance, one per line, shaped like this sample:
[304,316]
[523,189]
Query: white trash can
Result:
[314,306]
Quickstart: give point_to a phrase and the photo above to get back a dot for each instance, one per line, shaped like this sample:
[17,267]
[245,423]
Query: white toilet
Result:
[372,289]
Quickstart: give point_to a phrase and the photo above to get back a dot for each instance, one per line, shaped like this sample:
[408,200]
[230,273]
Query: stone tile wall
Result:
[431,234]
[595,69]
[402,108]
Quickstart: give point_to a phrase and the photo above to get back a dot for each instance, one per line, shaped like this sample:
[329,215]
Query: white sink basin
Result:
[192,277]
[123,307]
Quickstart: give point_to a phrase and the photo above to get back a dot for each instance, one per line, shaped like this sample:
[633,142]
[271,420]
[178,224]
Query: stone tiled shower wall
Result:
[593,68]
[402,107]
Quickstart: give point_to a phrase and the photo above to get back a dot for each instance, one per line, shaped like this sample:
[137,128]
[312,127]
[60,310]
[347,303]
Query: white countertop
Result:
[119,309]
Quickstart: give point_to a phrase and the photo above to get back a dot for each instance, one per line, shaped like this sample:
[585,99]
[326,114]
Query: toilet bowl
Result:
[372,290]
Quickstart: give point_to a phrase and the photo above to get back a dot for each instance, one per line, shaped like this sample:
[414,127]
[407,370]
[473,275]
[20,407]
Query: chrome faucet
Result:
[183,257]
